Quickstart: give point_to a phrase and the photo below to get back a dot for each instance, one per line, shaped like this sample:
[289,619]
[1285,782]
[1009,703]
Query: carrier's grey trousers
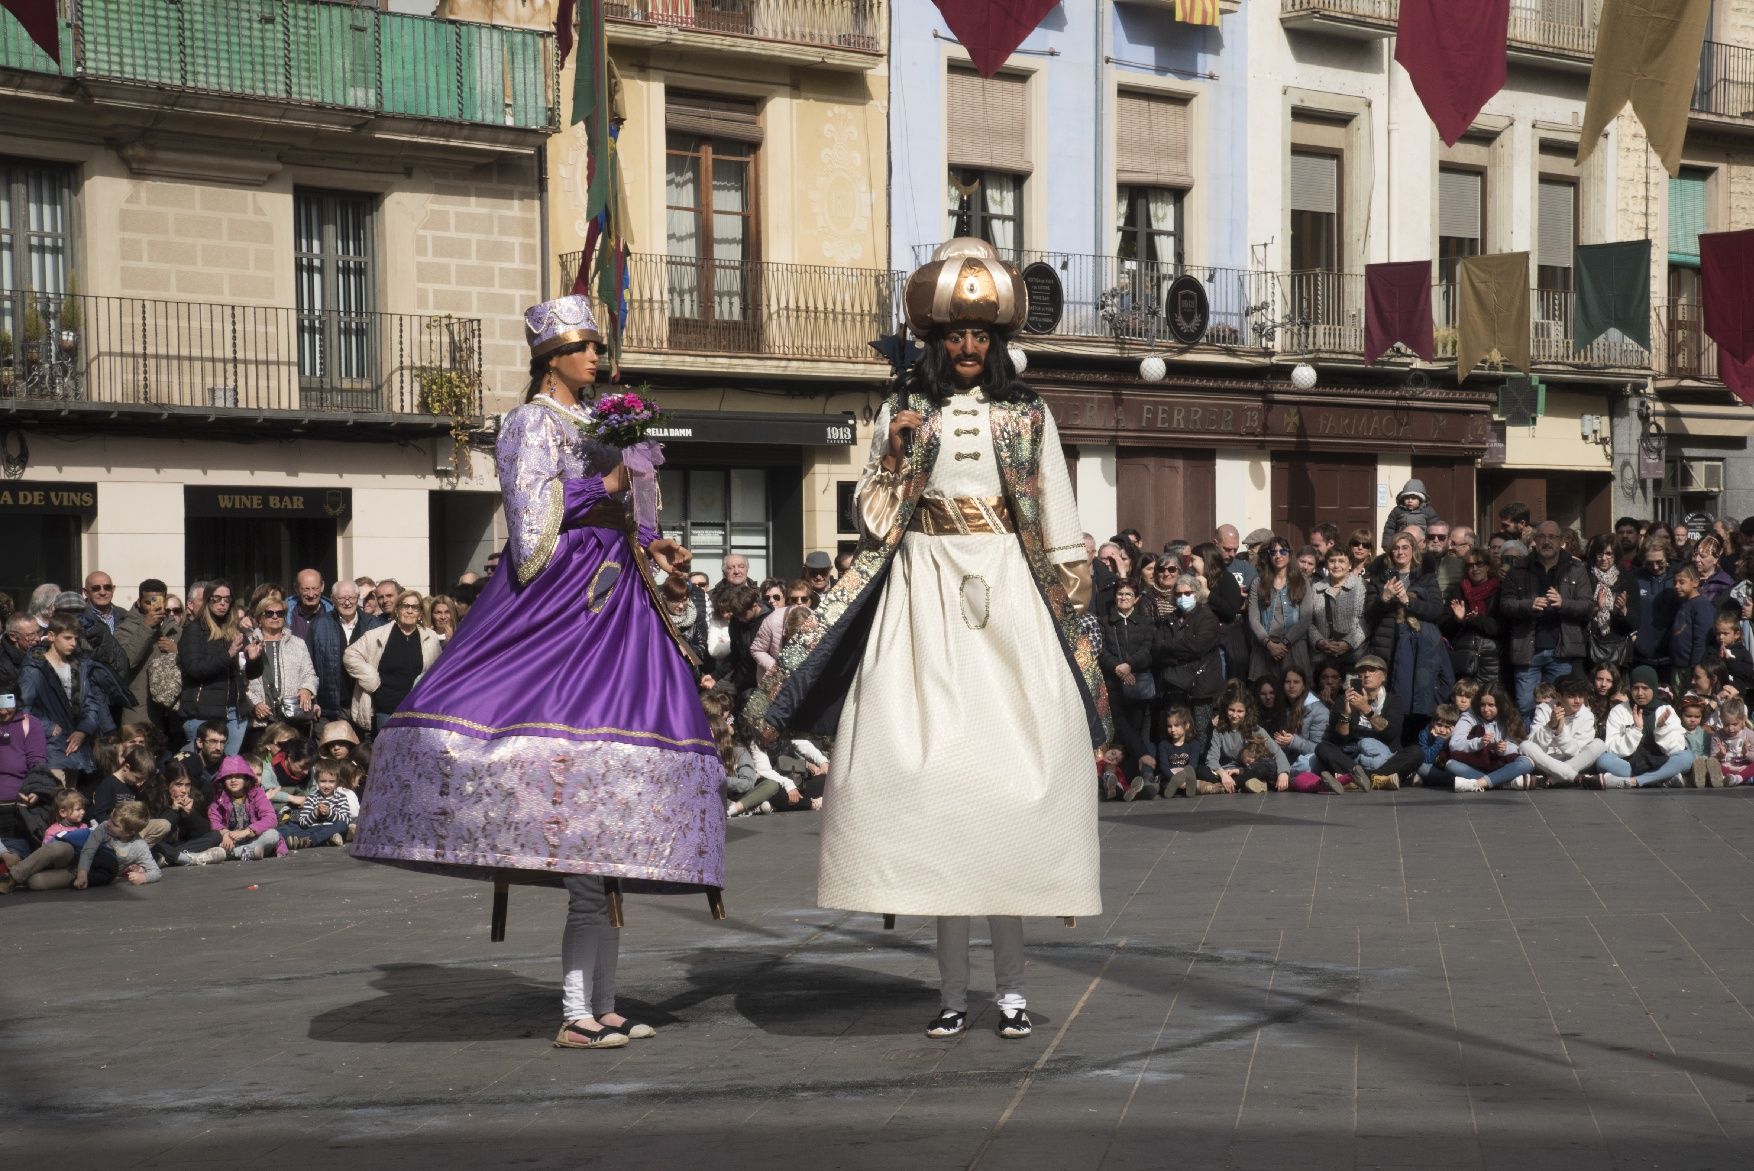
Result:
[1007,934]
[589,951]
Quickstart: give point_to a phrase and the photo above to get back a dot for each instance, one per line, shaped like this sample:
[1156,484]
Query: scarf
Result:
[1606,579]
[1479,595]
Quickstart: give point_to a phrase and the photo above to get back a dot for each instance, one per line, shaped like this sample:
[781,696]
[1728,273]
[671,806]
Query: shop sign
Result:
[1497,443]
[1136,417]
[755,427]
[1187,310]
[269,503]
[37,498]
[1047,298]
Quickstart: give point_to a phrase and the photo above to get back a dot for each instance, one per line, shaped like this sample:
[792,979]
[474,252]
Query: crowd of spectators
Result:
[188,731]
[1530,656]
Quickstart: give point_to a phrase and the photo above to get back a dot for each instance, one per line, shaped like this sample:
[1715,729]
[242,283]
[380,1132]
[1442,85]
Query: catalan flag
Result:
[1197,11]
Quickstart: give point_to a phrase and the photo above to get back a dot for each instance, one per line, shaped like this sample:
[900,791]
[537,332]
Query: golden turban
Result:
[965,281]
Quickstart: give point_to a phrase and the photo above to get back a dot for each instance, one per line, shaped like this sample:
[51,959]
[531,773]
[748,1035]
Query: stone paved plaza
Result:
[1551,980]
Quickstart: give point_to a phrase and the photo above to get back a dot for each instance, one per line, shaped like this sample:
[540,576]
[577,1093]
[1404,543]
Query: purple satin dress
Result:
[561,730]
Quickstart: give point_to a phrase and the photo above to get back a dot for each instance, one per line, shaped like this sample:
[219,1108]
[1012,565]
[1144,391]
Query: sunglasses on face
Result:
[1360,544]
[798,601]
[216,599]
[173,609]
[102,589]
[274,613]
[1278,551]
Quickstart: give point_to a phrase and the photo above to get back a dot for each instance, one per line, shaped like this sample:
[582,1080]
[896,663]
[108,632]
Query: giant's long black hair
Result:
[539,366]
[934,377]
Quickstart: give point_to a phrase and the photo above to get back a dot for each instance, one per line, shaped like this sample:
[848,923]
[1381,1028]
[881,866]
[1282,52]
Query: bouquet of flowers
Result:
[621,420]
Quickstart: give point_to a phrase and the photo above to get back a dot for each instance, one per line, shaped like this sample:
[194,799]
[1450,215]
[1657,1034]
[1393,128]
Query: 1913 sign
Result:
[1047,298]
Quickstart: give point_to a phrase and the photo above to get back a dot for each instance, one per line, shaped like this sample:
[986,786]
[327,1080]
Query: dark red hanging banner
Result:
[991,30]
[1726,285]
[563,31]
[41,23]
[1455,55]
[1397,308]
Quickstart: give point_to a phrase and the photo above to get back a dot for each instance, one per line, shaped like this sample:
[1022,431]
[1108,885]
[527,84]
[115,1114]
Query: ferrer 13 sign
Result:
[1187,310]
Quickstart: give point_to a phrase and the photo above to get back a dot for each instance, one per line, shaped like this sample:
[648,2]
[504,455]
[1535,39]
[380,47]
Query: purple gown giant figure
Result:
[561,730]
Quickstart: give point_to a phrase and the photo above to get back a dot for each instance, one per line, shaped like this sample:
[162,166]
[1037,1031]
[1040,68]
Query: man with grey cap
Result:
[1364,747]
[818,570]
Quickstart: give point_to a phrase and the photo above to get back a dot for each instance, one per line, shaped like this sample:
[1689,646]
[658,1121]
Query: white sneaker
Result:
[1610,781]
[1516,783]
[1470,785]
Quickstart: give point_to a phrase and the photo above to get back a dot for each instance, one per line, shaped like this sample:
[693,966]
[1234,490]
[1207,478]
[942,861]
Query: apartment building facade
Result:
[259,259]
[753,157]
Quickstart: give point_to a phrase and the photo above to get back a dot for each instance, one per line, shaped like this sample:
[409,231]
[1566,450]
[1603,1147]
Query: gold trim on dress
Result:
[968,455]
[543,549]
[591,590]
[986,603]
[941,516]
[491,730]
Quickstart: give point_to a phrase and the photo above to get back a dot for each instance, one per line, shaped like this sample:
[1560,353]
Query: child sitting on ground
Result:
[327,812]
[1706,772]
[242,813]
[1562,742]
[1483,752]
[1240,753]
[1647,746]
[1179,753]
[1434,742]
[1463,693]
[50,865]
[1735,748]
[115,850]
[288,775]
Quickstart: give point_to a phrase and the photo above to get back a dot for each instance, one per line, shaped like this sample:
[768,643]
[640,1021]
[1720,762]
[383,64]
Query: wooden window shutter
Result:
[1557,223]
[1315,183]
[712,117]
[1458,203]
[986,121]
[1151,141]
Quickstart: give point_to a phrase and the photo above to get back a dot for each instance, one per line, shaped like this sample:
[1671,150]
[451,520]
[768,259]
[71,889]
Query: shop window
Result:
[716,512]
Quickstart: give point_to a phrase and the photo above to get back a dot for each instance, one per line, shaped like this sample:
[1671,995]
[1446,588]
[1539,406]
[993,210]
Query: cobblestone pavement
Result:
[1547,980]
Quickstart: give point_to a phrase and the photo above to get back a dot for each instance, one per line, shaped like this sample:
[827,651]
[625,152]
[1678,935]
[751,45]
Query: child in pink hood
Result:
[242,813]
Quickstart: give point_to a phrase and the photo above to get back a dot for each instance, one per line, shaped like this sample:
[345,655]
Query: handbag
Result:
[164,680]
[1606,648]
[1464,657]
[1142,687]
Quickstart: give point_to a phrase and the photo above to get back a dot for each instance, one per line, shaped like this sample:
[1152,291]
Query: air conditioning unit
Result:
[1699,475]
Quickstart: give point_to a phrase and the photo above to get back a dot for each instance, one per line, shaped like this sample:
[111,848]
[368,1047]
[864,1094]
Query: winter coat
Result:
[1187,656]
[1691,640]
[1650,616]
[1473,638]
[296,674]
[1399,518]
[1295,635]
[1573,736]
[1312,726]
[1337,614]
[1129,639]
[1626,730]
[212,679]
[1467,743]
[42,695]
[1344,730]
[1716,588]
[1224,750]
[1421,672]
[1577,604]
[328,642]
[136,640]
[1382,619]
[1225,599]
[257,808]
[361,660]
[24,749]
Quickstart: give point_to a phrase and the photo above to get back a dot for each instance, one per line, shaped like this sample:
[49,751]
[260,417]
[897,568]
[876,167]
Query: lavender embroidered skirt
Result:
[559,733]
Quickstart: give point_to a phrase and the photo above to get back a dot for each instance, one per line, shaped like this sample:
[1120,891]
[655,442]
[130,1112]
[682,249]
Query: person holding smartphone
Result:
[1364,741]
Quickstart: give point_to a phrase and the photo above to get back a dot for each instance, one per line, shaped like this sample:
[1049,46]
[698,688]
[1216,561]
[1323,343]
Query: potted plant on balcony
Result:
[6,375]
[31,333]
[72,317]
[450,394]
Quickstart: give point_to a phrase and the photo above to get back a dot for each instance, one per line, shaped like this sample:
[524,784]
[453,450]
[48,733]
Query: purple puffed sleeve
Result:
[528,454]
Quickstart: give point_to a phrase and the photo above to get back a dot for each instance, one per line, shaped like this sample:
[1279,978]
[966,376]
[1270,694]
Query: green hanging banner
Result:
[1613,292]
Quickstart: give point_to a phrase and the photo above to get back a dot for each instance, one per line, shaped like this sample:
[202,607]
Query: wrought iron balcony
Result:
[1726,81]
[235,359]
[838,24]
[1563,28]
[306,53]
[754,308]
[1550,334]
[1678,336]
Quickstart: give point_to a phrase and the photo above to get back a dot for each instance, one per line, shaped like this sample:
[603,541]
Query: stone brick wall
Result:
[193,242]
[476,255]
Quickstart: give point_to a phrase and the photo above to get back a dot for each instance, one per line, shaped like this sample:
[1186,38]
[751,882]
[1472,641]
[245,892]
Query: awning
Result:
[1718,422]
[756,427]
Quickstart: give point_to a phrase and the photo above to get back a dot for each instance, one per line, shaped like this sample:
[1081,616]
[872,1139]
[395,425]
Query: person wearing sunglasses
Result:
[1360,547]
[287,687]
[772,633]
[1646,609]
[217,661]
[1279,612]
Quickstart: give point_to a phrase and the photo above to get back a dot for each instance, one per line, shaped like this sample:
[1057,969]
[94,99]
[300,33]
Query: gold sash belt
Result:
[940,516]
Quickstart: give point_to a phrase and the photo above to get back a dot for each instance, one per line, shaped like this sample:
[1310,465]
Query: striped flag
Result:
[1197,11]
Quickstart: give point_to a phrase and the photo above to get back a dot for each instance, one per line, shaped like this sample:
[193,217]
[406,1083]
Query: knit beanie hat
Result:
[1646,676]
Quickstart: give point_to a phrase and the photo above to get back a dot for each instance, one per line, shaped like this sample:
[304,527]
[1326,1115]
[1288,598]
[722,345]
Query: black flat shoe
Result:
[947,1024]
[577,1035]
[1014,1023]
[637,1030]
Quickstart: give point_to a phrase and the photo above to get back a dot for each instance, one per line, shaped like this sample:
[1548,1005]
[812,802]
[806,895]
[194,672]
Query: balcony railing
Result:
[1565,27]
[841,24]
[1550,333]
[308,53]
[753,307]
[1726,81]
[236,358]
[1682,349]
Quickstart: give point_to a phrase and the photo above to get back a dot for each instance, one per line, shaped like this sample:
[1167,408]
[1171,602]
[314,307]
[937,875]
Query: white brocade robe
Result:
[962,780]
